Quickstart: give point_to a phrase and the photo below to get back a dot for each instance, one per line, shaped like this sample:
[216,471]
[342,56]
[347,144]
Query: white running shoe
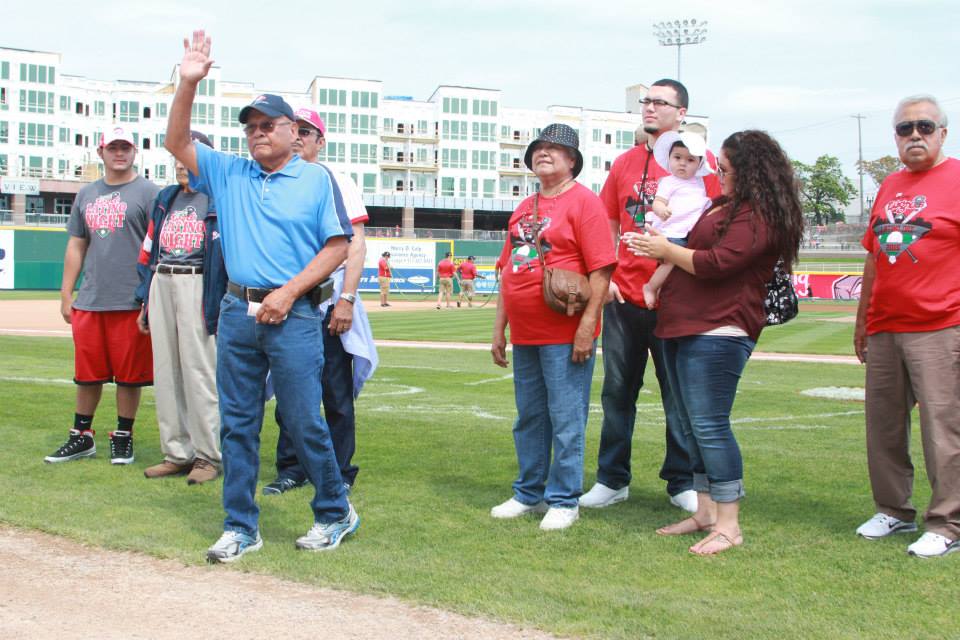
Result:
[686,500]
[600,495]
[881,525]
[933,545]
[559,518]
[513,508]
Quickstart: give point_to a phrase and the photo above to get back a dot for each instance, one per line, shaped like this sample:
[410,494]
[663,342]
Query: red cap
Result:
[313,119]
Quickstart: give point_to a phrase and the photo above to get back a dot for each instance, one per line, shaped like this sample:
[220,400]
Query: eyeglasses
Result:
[658,103]
[923,127]
[306,132]
[267,126]
[721,172]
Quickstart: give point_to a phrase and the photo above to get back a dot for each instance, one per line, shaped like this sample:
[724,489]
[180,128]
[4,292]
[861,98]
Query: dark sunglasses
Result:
[306,132]
[267,126]
[923,127]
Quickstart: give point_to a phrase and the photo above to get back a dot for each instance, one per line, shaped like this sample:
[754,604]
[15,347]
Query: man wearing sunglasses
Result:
[627,322]
[350,356]
[281,239]
[908,332]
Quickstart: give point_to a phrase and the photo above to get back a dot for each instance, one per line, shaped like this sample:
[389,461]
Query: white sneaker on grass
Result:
[232,545]
[686,500]
[559,518]
[513,508]
[933,545]
[600,495]
[881,525]
[328,536]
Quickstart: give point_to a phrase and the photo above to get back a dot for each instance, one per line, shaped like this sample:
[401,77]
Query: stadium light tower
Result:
[680,33]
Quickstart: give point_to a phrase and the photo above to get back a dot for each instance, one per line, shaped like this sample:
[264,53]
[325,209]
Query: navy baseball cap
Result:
[270,105]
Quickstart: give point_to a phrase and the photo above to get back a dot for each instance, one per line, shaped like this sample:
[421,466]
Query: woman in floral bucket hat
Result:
[553,353]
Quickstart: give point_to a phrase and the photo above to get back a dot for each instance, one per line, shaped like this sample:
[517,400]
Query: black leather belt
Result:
[318,295]
[176,269]
[250,294]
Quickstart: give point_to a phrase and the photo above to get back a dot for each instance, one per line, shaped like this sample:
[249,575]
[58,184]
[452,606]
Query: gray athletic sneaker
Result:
[324,537]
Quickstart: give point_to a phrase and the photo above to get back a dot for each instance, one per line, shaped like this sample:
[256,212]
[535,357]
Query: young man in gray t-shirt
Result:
[106,227]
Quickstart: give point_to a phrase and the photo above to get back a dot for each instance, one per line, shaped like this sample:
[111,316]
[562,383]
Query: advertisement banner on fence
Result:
[827,286]
[413,263]
[6,259]
[486,281]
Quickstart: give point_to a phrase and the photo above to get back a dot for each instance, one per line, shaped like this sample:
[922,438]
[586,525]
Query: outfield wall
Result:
[32,258]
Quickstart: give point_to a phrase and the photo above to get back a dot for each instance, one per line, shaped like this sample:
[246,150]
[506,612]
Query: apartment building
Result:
[452,160]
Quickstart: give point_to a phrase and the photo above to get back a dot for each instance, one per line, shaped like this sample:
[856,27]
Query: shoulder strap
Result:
[536,232]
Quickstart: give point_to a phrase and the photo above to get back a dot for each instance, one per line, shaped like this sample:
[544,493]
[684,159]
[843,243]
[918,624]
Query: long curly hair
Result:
[764,180]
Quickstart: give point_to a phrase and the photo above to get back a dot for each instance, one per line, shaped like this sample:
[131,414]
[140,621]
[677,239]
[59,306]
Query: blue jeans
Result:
[337,383]
[627,339]
[293,350]
[703,372]
[553,402]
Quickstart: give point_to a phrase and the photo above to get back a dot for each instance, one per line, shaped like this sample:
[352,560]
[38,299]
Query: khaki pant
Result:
[466,289]
[446,287]
[904,369]
[184,370]
[384,285]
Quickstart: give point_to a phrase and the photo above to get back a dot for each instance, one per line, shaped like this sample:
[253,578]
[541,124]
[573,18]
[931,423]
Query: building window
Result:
[363,124]
[446,186]
[161,109]
[207,87]
[483,160]
[606,166]
[160,172]
[3,165]
[4,132]
[64,135]
[363,153]
[99,108]
[146,113]
[455,158]
[36,73]
[36,101]
[36,135]
[333,152]
[335,97]
[129,111]
[4,70]
[202,113]
[484,107]
[62,206]
[596,162]
[64,103]
[606,138]
[369,183]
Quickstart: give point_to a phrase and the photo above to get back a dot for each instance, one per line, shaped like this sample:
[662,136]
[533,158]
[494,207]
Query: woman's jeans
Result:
[703,373]
[553,402]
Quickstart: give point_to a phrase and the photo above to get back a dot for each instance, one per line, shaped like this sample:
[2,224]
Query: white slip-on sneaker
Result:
[686,500]
[600,495]
[881,525]
[933,545]
[559,518]
[513,508]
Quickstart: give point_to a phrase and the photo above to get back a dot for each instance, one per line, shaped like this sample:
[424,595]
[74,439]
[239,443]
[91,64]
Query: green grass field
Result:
[436,452]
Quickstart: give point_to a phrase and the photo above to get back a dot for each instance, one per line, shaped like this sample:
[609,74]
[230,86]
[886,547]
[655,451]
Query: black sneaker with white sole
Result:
[121,447]
[80,444]
[282,485]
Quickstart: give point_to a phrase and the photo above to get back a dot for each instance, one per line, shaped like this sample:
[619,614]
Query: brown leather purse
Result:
[564,291]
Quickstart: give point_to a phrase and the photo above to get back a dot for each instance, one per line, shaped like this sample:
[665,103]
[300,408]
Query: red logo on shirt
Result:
[105,214]
[182,232]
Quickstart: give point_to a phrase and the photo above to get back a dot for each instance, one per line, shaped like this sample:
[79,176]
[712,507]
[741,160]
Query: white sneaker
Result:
[600,495]
[933,545]
[881,525]
[513,508]
[686,500]
[559,518]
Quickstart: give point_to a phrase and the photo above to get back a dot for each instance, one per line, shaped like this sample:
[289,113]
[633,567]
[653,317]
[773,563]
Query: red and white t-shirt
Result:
[575,236]
[445,269]
[914,235]
[621,195]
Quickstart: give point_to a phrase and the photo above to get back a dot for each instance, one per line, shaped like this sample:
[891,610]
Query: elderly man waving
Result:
[281,239]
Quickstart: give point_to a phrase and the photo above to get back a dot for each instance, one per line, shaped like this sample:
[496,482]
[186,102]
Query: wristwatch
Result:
[349,297]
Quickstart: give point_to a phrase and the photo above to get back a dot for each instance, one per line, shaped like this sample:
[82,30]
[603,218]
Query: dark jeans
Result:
[293,351]
[337,383]
[627,339]
[704,372]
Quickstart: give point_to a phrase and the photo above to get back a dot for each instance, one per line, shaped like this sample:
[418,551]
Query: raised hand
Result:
[196,61]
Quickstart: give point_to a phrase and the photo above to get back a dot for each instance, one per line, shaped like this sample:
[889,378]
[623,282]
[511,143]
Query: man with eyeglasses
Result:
[908,332]
[281,238]
[627,322]
[350,356]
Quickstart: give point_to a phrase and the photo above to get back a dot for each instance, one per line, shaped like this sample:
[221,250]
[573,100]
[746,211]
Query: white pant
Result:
[184,370]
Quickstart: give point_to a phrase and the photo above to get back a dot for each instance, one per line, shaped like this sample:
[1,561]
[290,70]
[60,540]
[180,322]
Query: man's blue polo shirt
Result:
[271,224]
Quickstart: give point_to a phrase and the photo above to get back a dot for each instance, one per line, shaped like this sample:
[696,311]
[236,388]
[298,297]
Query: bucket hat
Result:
[696,145]
[557,134]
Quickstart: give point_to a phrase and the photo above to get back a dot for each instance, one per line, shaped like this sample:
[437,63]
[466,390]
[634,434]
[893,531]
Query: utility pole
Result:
[680,34]
[860,164]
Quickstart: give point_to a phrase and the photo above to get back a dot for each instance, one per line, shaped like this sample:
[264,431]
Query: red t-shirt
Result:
[445,269]
[730,282]
[468,271]
[575,236]
[621,197]
[914,235]
[383,270]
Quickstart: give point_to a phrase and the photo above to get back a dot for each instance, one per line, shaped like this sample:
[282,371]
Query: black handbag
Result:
[781,304]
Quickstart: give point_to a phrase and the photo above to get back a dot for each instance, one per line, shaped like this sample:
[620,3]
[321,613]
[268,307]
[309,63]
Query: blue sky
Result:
[796,69]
